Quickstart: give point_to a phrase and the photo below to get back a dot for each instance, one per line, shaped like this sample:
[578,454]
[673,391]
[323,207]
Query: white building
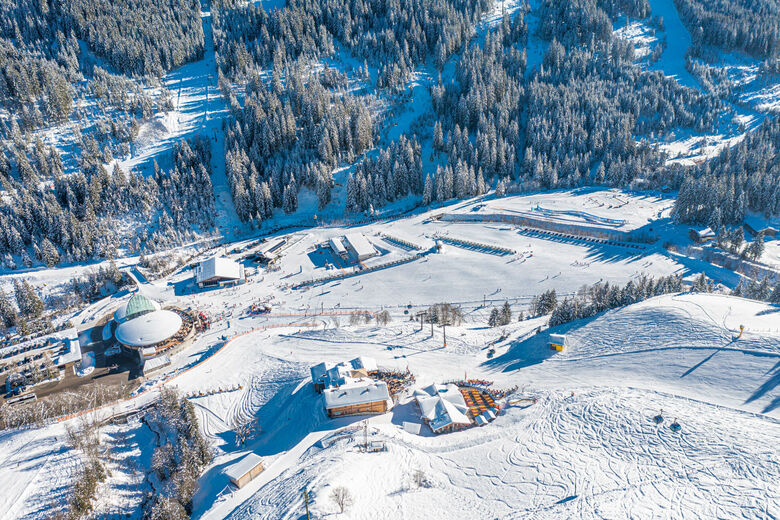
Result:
[359,246]
[338,248]
[144,333]
[219,272]
[443,408]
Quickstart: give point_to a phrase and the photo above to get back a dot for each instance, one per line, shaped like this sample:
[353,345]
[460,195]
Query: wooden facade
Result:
[244,479]
[376,407]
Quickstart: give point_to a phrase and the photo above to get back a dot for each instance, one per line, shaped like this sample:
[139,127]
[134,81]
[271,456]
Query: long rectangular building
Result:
[359,397]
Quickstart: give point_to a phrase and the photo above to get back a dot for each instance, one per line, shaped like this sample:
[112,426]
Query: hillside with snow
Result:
[441,259]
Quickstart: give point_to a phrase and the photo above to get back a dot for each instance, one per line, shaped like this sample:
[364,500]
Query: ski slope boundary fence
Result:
[371,269]
[468,243]
[548,225]
[406,243]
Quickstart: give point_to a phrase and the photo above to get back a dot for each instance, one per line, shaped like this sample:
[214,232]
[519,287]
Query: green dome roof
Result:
[138,306]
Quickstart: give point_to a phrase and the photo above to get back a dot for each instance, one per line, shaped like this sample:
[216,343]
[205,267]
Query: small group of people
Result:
[675,426]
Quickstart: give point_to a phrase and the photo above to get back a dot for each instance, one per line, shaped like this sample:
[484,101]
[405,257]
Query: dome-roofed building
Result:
[146,329]
[149,329]
[137,306]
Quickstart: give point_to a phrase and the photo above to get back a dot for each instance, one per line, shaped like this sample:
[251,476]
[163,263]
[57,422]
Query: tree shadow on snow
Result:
[528,351]
[768,386]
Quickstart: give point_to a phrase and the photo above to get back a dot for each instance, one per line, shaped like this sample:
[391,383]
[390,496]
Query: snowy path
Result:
[672,61]
[199,108]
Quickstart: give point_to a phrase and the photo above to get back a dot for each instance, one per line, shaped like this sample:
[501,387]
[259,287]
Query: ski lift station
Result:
[245,470]
[219,272]
[557,341]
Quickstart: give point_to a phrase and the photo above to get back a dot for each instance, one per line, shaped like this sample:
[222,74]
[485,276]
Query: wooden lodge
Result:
[359,397]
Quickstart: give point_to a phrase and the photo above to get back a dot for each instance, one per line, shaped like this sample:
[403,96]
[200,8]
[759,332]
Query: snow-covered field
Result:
[588,447]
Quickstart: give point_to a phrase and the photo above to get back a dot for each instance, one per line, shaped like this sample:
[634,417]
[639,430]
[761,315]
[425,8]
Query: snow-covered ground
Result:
[588,448]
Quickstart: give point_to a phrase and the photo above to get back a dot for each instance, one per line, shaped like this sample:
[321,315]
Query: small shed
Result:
[557,341]
[245,470]
[702,235]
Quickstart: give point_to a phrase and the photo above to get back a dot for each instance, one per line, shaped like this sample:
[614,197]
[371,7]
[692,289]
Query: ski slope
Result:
[587,449]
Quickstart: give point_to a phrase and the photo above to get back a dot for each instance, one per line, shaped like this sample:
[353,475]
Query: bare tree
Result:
[342,498]
[383,317]
[420,479]
[245,430]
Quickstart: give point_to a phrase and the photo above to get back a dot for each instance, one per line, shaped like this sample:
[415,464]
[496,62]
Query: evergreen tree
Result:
[30,305]
[8,316]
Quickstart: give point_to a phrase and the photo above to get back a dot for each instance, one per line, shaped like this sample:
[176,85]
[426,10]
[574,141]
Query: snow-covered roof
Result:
[217,267]
[558,339]
[136,306]
[243,466]
[706,232]
[149,329]
[366,363]
[336,375]
[442,405]
[72,353]
[431,406]
[450,392]
[320,371]
[338,246]
[156,362]
[107,332]
[758,224]
[360,244]
[361,391]
[447,414]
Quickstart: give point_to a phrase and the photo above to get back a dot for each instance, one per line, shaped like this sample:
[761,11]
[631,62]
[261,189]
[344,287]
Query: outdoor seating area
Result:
[477,400]
[396,381]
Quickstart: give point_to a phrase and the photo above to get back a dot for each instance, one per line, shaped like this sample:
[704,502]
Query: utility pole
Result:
[306,501]
[365,436]
[444,328]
